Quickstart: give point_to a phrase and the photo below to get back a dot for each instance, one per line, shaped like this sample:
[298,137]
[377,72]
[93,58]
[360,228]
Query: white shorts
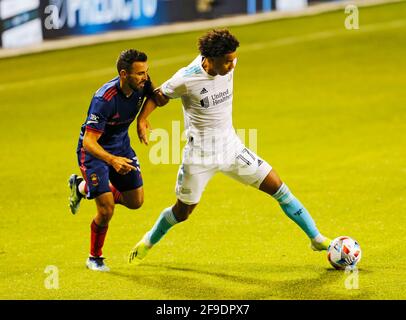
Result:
[237,162]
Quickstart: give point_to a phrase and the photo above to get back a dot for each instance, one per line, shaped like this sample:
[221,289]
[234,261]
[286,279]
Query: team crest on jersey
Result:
[205,102]
[94,179]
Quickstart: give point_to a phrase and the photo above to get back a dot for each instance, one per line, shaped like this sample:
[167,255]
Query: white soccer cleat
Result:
[96,264]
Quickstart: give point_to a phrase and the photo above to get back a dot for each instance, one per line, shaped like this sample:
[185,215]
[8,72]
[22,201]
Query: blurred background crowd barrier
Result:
[29,22]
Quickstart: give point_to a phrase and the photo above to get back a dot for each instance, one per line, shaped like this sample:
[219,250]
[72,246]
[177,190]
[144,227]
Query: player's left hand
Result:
[143,128]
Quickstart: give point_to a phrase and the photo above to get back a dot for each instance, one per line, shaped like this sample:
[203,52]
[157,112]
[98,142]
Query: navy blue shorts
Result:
[98,173]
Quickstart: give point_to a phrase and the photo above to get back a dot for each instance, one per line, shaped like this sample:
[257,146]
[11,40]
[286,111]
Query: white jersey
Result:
[207,100]
[213,146]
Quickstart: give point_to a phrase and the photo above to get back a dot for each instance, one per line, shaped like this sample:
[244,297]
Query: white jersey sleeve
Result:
[175,87]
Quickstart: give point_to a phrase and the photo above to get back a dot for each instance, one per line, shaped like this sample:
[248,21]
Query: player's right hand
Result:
[122,165]
[143,128]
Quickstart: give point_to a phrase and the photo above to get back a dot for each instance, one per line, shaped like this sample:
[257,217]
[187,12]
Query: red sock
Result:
[116,193]
[97,236]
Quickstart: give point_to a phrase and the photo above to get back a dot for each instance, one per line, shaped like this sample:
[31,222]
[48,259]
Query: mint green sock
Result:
[165,221]
[296,211]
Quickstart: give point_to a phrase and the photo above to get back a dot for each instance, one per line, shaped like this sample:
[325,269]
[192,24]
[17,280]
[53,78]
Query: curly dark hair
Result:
[128,57]
[217,43]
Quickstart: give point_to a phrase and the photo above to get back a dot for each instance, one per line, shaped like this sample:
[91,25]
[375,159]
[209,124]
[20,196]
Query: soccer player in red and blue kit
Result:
[110,168]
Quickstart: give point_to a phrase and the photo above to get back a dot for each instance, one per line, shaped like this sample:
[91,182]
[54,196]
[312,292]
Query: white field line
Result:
[286,41]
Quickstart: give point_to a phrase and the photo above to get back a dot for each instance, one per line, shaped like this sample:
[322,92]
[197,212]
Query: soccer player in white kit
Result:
[206,89]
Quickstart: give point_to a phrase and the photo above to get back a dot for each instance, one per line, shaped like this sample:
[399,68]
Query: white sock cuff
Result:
[169,216]
[319,238]
[81,187]
[147,240]
[283,195]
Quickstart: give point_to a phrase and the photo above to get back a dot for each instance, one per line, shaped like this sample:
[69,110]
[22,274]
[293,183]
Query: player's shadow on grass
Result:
[212,282]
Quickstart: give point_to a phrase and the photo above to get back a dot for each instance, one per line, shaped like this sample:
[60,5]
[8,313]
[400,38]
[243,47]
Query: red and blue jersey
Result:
[111,113]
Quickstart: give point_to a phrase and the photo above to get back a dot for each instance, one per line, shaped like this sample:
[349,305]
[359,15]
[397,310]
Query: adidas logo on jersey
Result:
[203,91]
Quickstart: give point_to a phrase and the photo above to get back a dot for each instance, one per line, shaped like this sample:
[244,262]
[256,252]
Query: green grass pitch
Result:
[329,106]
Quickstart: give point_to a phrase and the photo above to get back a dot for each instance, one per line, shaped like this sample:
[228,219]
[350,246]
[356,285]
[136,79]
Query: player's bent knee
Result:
[182,216]
[106,214]
[136,204]
[133,199]
[182,211]
[105,210]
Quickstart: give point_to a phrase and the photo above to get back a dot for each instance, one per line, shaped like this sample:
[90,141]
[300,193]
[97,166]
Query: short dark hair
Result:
[128,57]
[217,43]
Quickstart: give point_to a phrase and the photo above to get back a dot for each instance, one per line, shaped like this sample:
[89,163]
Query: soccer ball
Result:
[344,252]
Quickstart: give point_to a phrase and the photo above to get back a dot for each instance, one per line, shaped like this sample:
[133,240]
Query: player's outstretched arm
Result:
[143,125]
